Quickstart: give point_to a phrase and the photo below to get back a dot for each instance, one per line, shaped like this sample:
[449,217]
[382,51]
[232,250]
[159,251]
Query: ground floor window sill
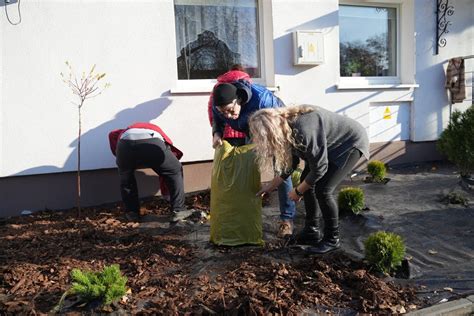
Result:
[377,86]
[204,90]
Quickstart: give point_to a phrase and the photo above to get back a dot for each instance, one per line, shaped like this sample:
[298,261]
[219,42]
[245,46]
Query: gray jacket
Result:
[324,137]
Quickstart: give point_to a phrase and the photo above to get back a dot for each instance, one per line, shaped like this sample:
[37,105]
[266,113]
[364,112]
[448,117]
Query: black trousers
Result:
[319,199]
[148,153]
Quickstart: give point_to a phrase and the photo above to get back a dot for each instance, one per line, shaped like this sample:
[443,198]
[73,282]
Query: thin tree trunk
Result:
[79,166]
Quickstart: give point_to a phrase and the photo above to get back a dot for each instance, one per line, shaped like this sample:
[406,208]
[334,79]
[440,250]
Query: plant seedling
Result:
[87,86]
[106,286]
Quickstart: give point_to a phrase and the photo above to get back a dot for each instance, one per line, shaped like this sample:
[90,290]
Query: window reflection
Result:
[368,40]
[213,35]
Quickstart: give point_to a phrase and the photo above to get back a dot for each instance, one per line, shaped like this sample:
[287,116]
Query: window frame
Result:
[267,71]
[387,80]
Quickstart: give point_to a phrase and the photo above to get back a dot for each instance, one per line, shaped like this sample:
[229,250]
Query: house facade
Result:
[380,62]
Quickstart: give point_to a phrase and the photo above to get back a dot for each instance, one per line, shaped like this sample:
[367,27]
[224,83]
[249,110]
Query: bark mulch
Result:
[168,273]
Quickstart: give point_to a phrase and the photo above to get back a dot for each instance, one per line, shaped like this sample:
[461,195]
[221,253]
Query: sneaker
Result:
[285,229]
[132,216]
[181,215]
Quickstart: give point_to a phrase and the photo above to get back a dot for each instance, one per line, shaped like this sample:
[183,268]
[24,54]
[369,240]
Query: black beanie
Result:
[224,94]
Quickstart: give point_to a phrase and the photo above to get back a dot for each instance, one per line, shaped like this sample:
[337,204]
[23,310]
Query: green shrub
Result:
[377,170]
[456,198]
[457,141]
[351,199]
[107,285]
[295,177]
[384,251]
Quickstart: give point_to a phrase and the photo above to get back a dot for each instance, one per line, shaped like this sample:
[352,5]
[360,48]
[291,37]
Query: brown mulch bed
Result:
[170,274]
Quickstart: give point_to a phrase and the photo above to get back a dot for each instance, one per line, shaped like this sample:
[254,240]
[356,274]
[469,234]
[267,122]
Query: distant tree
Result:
[368,59]
[357,58]
[205,57]
[86,87]
[379,50]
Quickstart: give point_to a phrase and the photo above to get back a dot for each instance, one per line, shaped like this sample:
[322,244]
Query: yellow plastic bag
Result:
[236,213]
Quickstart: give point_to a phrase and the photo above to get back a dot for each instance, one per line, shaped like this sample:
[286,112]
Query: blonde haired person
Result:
[329,143]
[233,103]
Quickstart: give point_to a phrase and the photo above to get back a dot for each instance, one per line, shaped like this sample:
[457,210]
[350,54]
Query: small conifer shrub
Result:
[351,200]
[107,286]
[384,251]
[377,170]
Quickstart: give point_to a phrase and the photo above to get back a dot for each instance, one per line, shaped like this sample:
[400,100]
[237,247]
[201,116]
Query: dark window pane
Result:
[212,36]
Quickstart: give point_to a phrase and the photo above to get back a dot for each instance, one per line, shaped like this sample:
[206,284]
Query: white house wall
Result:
[1,97]
[430,108]
[134,43]
[318,84]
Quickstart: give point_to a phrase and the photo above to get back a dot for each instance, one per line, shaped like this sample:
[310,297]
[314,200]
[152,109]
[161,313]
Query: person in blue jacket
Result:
[233,104]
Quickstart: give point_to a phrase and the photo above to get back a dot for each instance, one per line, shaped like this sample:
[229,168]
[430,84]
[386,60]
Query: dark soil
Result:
[169,273]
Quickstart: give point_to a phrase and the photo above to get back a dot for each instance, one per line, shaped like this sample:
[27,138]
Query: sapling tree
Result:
[88,85]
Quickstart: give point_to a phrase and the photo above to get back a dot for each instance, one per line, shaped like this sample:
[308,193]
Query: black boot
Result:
[329,243]
[310,234]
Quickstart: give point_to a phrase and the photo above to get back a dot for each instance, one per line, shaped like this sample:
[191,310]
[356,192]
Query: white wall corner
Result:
[2,132]
[268,37]
[408,42]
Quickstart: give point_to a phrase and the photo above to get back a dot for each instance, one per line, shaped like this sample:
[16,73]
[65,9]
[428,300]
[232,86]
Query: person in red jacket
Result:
[145,145]
[235,138]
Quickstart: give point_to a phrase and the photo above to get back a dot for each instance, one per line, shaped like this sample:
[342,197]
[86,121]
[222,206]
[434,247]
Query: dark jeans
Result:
[319,199]
[148,153]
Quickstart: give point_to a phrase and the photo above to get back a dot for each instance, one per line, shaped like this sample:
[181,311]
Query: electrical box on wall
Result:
[308,48]
[389,121]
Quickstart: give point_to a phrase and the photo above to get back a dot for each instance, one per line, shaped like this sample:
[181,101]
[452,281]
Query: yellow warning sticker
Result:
[387,115]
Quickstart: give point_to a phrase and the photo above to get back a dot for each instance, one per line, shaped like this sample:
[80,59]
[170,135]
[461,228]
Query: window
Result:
[368,41]
[214,35]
